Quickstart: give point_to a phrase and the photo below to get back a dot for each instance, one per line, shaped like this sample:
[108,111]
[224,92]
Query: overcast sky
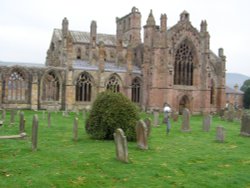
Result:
[26,26]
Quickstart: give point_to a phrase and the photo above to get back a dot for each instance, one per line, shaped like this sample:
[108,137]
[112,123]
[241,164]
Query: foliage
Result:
[245,85]
[109,112]
[246,99]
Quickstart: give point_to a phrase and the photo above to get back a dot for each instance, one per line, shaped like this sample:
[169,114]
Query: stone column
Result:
[34,92]
[69,91]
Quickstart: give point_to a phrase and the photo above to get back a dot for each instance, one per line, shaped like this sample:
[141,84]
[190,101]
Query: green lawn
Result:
[180,159]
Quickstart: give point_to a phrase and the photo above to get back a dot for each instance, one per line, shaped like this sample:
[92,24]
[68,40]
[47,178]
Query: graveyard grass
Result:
[179,159]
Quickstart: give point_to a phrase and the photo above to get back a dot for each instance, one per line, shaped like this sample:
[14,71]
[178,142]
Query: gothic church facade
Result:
[171,65]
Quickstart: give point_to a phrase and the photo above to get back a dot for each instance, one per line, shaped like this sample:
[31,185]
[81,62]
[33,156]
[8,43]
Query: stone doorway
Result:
[184,103]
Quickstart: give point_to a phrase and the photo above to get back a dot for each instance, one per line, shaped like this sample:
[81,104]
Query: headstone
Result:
[12,117]
[239,114]
[148,124]
[185,120]
[21,123]
[121,146]
[49,120]
[175,116]
[75,129]
[207,122]
[220,134]
[230,116]
[34,133]
[141,135]
[43,114]
[245,125]
[156,117]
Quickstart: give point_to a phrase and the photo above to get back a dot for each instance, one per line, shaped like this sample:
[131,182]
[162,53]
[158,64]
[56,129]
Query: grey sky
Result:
[26,26]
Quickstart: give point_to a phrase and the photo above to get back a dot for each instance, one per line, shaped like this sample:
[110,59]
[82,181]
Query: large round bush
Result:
[109,112]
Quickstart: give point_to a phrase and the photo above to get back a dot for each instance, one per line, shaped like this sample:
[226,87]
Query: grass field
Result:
[179,159]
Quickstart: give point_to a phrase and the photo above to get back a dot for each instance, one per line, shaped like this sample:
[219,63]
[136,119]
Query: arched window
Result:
[17,87]
[51,87]
[136,90]
[184,63]
[83,88]
[113,84]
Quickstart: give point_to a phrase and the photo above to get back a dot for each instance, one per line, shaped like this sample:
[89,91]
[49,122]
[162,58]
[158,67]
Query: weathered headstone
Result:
[156,117]
[75,129]
[12,117]
[220,134]
[245,125]
[185,120]
[207,118]
[175,116]
[141,135]
[21,122]
[121,146]
[34,133]
[148,124]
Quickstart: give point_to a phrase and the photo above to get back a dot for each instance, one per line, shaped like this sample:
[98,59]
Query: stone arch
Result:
[185,61]
[136,87]
[51,86]
[114,83]
[16,85]
[84,83]
[184,102]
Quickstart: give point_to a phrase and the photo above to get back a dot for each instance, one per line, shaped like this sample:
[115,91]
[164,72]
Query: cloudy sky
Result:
[26,26]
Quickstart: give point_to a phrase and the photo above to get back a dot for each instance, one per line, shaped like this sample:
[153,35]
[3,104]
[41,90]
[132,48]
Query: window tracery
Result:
[83,88]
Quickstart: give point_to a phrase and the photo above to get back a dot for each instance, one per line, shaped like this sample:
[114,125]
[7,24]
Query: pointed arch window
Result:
[83,88]
[17,87]
[212,92]
[184,65]
[51,87]
[136,90]
[113,84]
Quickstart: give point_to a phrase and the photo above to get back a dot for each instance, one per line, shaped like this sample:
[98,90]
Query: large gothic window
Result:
[83,88]
[113,84]
[16,88]
[184,64]
[51,87]
[136,90]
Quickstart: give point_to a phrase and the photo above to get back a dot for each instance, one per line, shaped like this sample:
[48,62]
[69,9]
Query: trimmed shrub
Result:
[109,112]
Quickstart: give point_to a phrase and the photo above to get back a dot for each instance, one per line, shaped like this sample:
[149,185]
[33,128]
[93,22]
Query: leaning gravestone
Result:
[121,146]
[34,133]
[207,122]
[141,135]
[245,125]
[156,117]
[185,120]
[148,124]
[220,134]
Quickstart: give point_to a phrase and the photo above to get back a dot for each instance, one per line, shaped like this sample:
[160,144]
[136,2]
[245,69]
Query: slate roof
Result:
[84,37]
[108,67]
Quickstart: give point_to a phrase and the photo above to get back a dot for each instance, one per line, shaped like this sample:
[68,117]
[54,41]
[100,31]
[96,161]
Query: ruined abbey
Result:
[167,64]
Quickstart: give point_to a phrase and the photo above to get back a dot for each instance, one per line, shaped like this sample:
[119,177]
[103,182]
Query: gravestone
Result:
[156,117]
[34,132]
[245,125]
[185,120]
[12,117]
[21,122]
[220,134]
[207,118]
[43,114]
[175,116]
[75,129]
[148,124]
[121,146]
[141,135]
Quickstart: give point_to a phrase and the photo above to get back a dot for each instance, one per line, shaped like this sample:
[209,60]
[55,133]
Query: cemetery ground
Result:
[180,159]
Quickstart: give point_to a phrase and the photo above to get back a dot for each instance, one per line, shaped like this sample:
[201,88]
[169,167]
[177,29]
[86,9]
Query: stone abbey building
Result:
[168,64]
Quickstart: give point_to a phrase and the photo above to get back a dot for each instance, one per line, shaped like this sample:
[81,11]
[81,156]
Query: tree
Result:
[246,99]
[245,85]
[111,111]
